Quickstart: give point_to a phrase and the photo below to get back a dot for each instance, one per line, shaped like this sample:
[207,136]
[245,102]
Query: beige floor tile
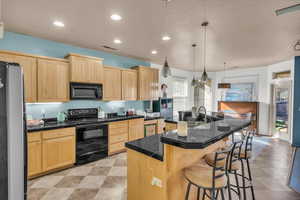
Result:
[58,194]
[46,182]
[118,171]
[99,171]
[83,194]
[92,182]
[36,193]
[70,182]
[80,171]
[106,163]
[110,194]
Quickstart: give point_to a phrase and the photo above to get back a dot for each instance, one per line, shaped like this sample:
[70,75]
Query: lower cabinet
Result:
[160,126]
[170,126]
[55,149]
[117,136]
[34,153]
[136,129]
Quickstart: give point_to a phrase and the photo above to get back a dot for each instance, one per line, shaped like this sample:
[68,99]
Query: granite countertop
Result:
[150,146]
[66,124]
[199,137]
[203,135]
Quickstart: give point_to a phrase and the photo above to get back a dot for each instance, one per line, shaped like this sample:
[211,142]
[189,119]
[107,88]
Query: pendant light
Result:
[166,71]
[194,81]
[204,77]
[224,85]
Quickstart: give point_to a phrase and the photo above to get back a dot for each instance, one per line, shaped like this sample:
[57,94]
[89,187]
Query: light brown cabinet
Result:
[148,83]
[160,126]
[117,136]
[58,148]
[53,80]
[136,129]
[34,153]
[129,84]
[85,69]
[112,84]
[170,126]
[29,66]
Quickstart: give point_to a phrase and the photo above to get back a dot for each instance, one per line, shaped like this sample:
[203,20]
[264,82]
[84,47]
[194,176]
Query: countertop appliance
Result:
[165,107]
[13,139]
[86,91]
[92,138]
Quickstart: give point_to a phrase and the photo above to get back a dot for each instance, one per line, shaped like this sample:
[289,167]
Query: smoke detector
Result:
[1,30]
[297,46]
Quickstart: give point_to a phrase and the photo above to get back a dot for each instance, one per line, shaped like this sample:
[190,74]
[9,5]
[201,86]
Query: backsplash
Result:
[51,109]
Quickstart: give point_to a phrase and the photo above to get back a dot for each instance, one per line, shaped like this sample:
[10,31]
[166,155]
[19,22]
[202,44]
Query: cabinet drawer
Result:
[34,137]
[120,124]
[59,133]
[118,138]
[120,146]
[118,131]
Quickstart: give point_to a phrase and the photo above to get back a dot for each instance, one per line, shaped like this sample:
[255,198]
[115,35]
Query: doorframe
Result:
[275,84]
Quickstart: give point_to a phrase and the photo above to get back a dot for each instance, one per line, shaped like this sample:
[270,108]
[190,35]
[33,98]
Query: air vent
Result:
[109,48]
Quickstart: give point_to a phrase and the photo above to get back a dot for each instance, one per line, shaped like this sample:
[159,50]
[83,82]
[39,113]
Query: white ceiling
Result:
[244,33]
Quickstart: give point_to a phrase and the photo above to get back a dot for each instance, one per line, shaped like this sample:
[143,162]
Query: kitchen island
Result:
[155,163]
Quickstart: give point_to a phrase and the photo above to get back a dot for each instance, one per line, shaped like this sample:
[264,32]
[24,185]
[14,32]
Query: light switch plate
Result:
[157,182]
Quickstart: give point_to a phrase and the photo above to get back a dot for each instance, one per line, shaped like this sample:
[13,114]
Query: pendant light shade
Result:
[194,81]
[166,71]
[224,85]
[204,77]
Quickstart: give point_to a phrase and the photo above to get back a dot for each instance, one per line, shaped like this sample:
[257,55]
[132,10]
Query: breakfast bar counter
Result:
[155,163]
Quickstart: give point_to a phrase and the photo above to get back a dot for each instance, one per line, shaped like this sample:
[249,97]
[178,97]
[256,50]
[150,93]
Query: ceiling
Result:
[244,33]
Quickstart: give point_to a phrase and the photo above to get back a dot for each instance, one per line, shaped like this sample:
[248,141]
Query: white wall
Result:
[262,77]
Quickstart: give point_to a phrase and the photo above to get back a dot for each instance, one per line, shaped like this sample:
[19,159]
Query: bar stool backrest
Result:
[220,171]
[249,143]
[235,154]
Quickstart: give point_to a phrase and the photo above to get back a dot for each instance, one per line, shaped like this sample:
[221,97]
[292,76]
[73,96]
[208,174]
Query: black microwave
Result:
[86,91]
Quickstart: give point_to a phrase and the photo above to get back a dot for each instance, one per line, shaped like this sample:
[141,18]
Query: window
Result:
[240,92]
[180,95]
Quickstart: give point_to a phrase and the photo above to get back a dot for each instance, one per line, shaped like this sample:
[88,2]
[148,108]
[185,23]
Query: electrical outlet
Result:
[157,182]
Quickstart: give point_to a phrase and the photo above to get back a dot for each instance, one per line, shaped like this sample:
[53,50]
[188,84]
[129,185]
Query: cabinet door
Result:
[112,84]
[129,85]
[155,84]
[160,126]
[29,65]
[145,79]
[58,152]
[86,70]
[53,81]
[136,129]
[34,155]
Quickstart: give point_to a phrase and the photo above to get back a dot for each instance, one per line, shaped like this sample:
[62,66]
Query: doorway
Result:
[281,102]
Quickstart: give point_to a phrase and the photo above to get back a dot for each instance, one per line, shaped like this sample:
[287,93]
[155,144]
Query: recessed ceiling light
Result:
[154,52]
[58,24]
[166,38]
[117,41]
[116,17]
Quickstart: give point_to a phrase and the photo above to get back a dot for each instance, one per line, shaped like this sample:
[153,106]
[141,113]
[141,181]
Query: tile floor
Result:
[106,179]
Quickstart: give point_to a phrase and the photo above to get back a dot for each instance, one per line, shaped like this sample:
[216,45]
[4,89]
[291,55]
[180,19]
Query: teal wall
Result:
[32,45]
[296,116]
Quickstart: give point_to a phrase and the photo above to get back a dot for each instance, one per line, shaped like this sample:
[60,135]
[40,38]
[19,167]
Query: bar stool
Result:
[213,179]
[244,157]
[234,167]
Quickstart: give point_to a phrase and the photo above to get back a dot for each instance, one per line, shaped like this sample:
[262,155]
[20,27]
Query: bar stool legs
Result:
[250,178]
[188,191]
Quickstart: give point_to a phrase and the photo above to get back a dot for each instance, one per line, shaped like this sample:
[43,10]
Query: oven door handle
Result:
[92,126]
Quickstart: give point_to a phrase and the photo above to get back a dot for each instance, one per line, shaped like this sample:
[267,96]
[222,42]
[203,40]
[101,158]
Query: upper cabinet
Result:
[85,69]
[112,83]
[148,83]
[53,80]
[29,65]
[129,84]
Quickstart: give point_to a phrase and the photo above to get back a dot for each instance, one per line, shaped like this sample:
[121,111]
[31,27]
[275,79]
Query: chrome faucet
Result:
[202,108]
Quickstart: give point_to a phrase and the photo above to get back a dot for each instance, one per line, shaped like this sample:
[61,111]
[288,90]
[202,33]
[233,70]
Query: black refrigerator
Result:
[13,142]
